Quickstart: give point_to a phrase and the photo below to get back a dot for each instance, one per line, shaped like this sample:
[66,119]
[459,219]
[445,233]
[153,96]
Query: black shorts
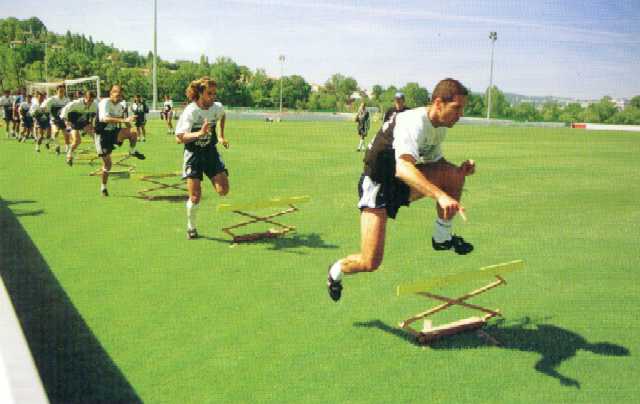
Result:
[106,140]
[390,195]
[140,122]
[27,122]
[8,114]
[210,166]
[59,123]
[44,124]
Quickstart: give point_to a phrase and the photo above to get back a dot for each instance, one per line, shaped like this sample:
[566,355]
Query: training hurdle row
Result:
[163,182]
[429,333]
[242,210]
[118,160]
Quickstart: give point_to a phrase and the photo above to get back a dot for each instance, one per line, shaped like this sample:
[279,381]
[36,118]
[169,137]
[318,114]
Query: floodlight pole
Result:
[281,59]
[155,55]
[46,59]
[493,36]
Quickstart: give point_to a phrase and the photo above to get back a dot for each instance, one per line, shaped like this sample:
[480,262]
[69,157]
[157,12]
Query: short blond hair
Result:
[197,87]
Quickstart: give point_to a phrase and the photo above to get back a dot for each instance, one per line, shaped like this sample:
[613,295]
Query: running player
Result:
[398,106]
[167,109]
[196,129]
[139,109]
[55,105]
[17,100]
[109,134]
[402,164]
[24,111]
[42,117]
[7,111]
[79,115]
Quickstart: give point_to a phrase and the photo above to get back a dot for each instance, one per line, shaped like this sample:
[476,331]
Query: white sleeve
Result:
[405,138]
[64,114]
[103,111]
[185,123]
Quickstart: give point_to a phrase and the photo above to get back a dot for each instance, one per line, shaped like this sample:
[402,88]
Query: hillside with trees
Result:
[25,43]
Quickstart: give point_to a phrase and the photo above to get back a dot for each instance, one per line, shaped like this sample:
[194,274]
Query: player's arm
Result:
[221,137]
[106,118]
[188,137]
[407,171]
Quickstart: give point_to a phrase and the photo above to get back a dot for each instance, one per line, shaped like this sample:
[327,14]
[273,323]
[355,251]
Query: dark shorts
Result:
[211,166]
[27,123]
[390,195]
[7,114]
[44,124]
[106,141]
[140,122]
[59,123]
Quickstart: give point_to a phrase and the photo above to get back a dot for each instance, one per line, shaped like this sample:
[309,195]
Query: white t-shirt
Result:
[168,103]
[5,101]
[107,109]
[78,106]
[415,135]
[192,118]
[54,105]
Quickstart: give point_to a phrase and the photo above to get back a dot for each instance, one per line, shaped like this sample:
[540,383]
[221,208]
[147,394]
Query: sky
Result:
[564,48]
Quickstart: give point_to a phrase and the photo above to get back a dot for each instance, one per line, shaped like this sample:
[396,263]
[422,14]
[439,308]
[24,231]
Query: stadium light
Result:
[154,73]
[493,36]
[281,59]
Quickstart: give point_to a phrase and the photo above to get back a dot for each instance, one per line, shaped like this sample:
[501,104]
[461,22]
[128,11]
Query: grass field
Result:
[117,305]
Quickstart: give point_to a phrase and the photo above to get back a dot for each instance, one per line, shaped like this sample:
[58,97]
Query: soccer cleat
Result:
[70,162]
[137,155]
[335,288]
[105,192]
[459,245]
[58,150]
[47,145]
[192,234]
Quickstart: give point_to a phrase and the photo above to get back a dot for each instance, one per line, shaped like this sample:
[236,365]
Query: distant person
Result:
[167,110]
[55,104]
[17,100]
[139,110]
[405,163]
[42,117]
[26,119]
[109,134]
[363,123]
[196,130]
[398,106]
[7,111]
[79,115]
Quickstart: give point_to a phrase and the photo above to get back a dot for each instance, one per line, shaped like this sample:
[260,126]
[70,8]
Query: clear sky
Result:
[579,49]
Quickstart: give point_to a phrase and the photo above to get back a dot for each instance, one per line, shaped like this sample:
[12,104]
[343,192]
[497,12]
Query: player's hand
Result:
[468,167]
[450,206]
[206,127]
[223,142]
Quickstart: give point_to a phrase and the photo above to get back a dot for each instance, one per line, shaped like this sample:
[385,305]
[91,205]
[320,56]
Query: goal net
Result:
[75,87]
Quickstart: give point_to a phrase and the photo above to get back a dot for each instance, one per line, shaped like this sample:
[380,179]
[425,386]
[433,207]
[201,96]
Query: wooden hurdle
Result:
[278,231]
[161,182]
[429,333]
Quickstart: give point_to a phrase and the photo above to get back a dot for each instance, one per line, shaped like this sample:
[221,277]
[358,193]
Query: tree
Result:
[525,111]
[475,105]
[551,111]
[414,95]
[295,90]
[500,107]
[260,86]
[600,111]
[635,102]
[573,112]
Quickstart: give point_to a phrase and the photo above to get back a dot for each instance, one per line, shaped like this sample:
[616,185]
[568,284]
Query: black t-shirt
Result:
[391,111]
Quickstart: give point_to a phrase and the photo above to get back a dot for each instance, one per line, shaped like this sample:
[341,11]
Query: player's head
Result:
[202,92]
[28,95]
[89,96]
[448,100]
[115,93]
[41,95]
[398,100]
[61,90]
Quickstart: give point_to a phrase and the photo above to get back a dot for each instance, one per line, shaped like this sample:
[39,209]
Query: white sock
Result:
[336,271]
[361,145]
[442,230]
[103,187]
[132,149]
[191,214]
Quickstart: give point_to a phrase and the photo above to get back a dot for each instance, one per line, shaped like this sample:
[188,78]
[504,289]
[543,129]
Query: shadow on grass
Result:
[72,364]
[553,343]
[283,243]
[164,198]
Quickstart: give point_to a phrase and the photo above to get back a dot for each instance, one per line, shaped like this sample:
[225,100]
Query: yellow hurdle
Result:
[269,203]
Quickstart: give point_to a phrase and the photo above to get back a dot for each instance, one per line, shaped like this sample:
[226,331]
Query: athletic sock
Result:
[103,187]
[442,230]
[336,271]
[191,214]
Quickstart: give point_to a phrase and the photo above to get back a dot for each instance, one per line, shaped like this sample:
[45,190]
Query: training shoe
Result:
[105,192]
[47,146]
[335,288]
[70,162]
[458,244]
[58,150]
[192,234]
[137,155]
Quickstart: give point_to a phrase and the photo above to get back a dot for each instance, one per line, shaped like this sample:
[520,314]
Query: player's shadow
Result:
[554,344]
[21,212]
[72,364]
[283,243]
[164,198]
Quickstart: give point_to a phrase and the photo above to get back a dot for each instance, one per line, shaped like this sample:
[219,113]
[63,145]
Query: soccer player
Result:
[402,164]
[7,111]
[139,109]
[167,109]
[79,115]
[398,106]
[40,113]
[24,111]
[17,100]
[196,129]
[109,134]
[55,105]
[362,118]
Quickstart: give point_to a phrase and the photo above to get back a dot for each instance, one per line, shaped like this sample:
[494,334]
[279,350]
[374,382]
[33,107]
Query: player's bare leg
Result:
[106,167]
[195,192]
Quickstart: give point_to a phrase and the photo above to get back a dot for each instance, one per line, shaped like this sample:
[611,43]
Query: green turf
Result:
[199,321]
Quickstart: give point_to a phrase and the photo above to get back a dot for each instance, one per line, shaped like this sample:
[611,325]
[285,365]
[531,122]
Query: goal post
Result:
[72,85]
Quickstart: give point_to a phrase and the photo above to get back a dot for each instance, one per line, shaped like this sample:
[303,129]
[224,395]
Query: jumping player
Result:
[167,110]
[196,129]
[54,105]
[79,115]
[109,134]
[402,164]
